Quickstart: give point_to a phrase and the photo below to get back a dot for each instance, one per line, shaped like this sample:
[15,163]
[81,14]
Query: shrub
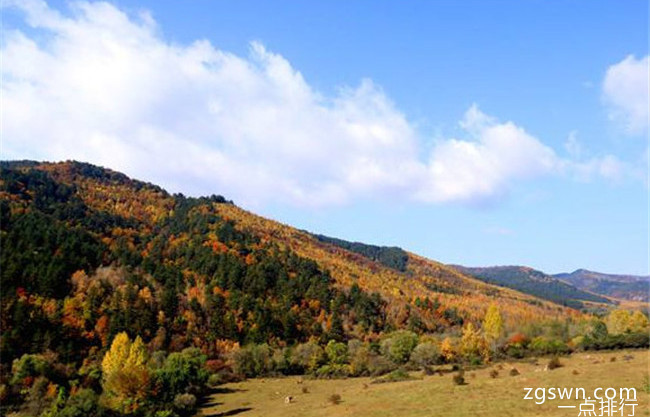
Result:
[215,380]
[515,351]
[379,365]
[29,366]
[399,346]
[337,353]
[494,373]
[305,390]
[514,372]
[185,403]
[333,371]
[459,378]
[543,345]
[425,354]
[81,404]
[394,376]
[182,372]
[307,357]
[252,360]
[334,399]
[554,363]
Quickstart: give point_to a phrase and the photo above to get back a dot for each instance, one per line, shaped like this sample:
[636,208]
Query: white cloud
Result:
[484,166]
[572,145]
[101,86]
[625,92]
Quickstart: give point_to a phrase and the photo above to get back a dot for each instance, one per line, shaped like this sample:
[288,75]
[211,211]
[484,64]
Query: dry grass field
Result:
[437,395]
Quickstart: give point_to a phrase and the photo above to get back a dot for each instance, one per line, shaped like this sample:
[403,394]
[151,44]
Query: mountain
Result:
[537,283]
[628,287]
[89,252]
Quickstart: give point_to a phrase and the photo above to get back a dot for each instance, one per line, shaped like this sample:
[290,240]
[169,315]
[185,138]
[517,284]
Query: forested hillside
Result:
[627,287]
[120,298]
[537,283]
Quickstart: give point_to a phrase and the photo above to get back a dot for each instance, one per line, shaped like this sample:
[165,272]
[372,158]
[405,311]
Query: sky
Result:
[470,132]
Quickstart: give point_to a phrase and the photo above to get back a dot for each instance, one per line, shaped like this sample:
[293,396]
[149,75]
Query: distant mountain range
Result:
[534,282]
[628,287]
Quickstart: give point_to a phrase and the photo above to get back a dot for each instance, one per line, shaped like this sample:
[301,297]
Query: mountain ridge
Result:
[622,286]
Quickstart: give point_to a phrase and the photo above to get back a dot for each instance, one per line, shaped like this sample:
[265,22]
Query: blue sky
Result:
[470,132]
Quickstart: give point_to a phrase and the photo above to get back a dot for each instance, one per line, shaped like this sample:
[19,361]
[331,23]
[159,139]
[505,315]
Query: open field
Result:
[436,395]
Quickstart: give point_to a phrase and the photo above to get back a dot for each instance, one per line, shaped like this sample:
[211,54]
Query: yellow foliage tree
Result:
[493,323]
[125,374]
[618,321]
[447,350]
[473,344]
[638,322]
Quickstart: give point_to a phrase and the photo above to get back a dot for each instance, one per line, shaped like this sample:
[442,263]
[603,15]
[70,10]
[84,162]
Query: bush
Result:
[379,365]
[81,404]
[185,403]
[337,353]
[554,363]
[544,346]
[307,357]
[494,373]
[514,372]
[252,360]
[619,341]
[459,378]
[215,380]
[29,366]
[394,376]
[334,399]
[399,345]
[425,354]
[359,358]
[182,372]
[333,371]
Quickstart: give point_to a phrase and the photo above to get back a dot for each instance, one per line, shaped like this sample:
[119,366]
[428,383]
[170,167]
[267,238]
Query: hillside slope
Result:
[534,282]
[627,287]
[455,293]
[89,252]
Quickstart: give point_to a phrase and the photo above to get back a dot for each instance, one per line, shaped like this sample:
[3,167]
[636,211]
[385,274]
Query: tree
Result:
[448,350]
[638,322]
[425,354]
[472,344]
[618,321]
[125,374]
[337,352]
[399,345]
[493,323]
[181,372]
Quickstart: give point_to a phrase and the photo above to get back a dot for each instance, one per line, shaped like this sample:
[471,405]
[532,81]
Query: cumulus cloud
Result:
[102,86]
[484,165]
[625,92]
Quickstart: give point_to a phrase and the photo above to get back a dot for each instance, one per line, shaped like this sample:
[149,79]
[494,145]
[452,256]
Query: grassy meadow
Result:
[437,395]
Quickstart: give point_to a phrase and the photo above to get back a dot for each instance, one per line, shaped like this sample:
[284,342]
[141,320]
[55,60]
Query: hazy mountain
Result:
[628,287]
[534,282]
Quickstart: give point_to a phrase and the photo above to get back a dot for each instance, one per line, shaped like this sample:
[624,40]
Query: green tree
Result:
[337,352]
[399,345]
